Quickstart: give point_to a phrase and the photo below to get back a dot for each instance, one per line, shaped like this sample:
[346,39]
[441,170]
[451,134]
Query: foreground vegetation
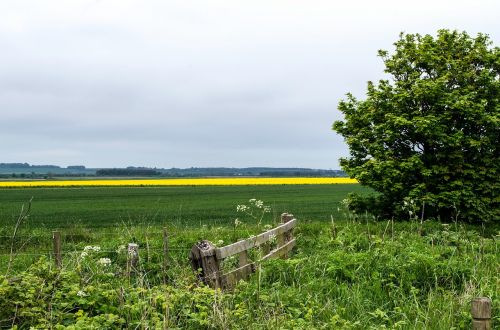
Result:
[354,272]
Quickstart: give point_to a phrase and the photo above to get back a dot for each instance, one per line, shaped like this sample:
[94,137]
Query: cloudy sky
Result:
[198,83]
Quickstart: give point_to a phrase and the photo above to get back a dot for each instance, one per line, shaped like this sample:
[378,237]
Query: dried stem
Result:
[23,215]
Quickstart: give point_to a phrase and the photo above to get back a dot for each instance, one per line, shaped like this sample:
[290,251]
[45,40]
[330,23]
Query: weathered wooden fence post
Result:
[56,240]
[206,258]
[132,257]
[265,248]
[205,263]
[165,254]
[481,313]
[243,257]
[286,236]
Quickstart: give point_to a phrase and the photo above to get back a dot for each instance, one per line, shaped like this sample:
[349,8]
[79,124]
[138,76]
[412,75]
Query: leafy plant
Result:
[430,133]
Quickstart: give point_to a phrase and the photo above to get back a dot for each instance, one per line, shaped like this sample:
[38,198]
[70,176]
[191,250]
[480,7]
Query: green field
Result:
[92,207]
[352,273]
[112,216]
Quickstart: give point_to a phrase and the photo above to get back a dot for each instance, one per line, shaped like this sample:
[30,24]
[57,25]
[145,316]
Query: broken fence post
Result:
[132,257]
[205,263]
[481,313]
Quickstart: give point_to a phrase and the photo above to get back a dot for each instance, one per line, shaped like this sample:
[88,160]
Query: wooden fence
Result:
[206,258]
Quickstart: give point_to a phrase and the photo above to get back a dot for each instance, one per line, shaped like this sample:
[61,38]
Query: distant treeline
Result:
[127,172]
[25,170]
[249,171]
[26,165]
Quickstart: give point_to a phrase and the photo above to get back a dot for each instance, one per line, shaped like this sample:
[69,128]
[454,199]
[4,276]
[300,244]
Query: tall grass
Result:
[359,274]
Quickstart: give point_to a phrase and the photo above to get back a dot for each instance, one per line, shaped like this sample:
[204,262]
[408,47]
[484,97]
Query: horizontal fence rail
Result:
[206,258]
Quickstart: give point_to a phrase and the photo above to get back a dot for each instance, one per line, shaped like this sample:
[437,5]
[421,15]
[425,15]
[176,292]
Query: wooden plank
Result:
[243,258]
[276,253]
[287,236]
[232,278]
[265,248]
[229,250]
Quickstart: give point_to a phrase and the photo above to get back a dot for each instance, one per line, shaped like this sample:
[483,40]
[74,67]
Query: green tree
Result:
[430,134]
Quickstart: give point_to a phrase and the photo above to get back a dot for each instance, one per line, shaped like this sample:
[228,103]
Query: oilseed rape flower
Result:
[176,182]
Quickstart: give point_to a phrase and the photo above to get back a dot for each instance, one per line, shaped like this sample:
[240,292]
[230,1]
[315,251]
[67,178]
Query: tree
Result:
[430,135]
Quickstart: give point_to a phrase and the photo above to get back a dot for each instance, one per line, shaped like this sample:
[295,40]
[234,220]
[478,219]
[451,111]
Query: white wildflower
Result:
[92,248]
[252,200]
[272,237]
[237,222]
[81,293]
[104,261]
[267,227]
[241,208]
[83,254]
[259,204]
[220,242]
[121,249]
[267,209]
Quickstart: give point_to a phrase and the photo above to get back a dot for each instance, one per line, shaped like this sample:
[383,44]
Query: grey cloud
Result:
[196,83]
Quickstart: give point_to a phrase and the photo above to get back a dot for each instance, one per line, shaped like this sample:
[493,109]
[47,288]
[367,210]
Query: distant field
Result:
[355,273]
[182,205]
[177,182]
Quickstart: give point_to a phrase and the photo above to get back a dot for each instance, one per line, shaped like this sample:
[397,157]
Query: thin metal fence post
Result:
[56,241]
[165,254]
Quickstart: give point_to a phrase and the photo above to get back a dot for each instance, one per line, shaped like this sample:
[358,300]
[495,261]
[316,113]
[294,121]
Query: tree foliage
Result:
[430,134]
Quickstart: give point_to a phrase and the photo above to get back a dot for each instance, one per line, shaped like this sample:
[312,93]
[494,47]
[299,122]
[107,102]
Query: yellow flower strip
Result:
[177,182]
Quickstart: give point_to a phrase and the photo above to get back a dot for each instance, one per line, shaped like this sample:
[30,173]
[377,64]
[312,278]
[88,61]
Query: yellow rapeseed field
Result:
[177,182]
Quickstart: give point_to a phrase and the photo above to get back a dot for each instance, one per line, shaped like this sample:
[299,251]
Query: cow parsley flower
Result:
[89,248]
[241,208]
[104,261]
[121,249]
[272,238]
[81,294]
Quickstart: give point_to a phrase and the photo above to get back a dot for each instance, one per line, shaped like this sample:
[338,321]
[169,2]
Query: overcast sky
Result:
[198,83]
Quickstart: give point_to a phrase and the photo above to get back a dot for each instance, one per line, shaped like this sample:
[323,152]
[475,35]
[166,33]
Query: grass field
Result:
[189,205]
[354,273]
